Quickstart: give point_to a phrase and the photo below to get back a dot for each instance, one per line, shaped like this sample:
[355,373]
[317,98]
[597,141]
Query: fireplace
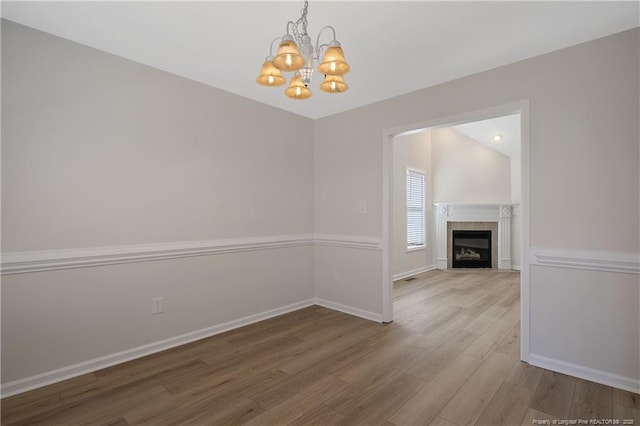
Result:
[474,217]
[471,249]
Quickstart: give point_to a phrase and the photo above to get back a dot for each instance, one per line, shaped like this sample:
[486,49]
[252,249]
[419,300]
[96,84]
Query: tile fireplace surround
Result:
[473,214]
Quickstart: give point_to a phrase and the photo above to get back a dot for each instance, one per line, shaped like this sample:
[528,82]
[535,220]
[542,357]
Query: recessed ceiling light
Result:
[497,138]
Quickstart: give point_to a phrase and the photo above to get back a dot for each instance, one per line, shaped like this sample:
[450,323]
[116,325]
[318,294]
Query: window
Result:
[415,210]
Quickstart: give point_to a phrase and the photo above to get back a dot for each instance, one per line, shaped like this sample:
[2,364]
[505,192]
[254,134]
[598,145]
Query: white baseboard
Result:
[515,267]
[442,264]
[602,377]
[349,310]
[49,377]
[504,264]
[403,275]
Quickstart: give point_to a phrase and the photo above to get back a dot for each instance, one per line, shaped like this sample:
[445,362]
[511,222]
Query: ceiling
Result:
[393,47]
[484,131]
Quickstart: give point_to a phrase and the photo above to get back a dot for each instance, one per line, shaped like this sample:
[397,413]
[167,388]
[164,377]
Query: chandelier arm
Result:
[292,30]
[291,23]
[319,47]
[273,41]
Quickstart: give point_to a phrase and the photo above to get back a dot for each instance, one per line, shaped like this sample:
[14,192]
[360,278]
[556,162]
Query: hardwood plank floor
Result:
[451,357]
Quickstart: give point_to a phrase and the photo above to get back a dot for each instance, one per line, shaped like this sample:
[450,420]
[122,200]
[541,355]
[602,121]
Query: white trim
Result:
[499,213]
[625,263]
[349,310]
[403,275]
[49,377]
[521,107]
[598,376]
[416,248]
[413,169]
[387,222]
[75,370]
[515,267]
[525,238]
[52,260]
[348,241]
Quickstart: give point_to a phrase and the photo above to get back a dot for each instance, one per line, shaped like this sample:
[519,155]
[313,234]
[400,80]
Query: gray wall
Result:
[411,151]
[468,172]
[101,151]
[584,190]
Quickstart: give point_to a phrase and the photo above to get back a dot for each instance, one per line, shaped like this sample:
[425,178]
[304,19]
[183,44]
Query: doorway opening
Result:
[448,171]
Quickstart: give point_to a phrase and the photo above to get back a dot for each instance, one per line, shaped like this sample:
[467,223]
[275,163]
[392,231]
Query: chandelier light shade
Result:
[333,84]
[297,89]
[288,57]
[298,55]
[334,62]
[270,75]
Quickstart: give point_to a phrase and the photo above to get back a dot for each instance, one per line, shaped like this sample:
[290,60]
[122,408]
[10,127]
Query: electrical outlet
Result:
[157,305]
[335,277]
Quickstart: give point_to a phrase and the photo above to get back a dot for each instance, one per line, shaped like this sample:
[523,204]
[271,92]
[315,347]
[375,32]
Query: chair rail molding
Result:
[625,263]
[348,241]
[52,260]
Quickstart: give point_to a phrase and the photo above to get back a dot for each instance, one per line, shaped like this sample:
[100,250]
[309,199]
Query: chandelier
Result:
[296,54]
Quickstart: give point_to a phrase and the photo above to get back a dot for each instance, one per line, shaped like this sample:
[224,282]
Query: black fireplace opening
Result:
[471,249]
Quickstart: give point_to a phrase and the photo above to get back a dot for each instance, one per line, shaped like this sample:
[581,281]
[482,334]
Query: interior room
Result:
[475,164]
[205,206]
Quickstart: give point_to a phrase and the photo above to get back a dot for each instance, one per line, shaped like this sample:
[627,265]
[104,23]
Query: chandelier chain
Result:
[303,17]
[301,22]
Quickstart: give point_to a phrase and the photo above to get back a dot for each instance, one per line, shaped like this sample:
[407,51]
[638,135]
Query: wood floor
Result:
[451,357]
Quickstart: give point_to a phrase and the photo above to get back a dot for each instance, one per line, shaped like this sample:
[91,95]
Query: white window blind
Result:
[415,209]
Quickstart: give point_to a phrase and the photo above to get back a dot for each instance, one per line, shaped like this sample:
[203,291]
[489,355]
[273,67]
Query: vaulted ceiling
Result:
[506,128]
[393,47]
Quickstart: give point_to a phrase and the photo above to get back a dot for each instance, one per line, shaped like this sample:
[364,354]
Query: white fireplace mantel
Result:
[500,213]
